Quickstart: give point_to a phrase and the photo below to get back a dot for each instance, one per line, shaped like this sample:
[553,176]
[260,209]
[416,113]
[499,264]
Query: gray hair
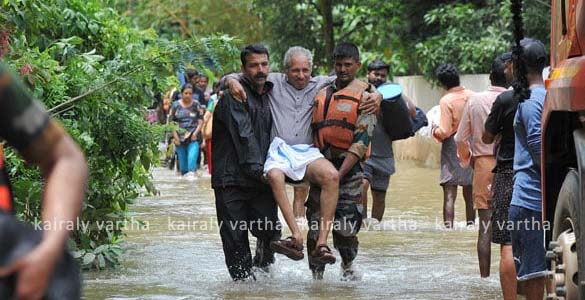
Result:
[296,50]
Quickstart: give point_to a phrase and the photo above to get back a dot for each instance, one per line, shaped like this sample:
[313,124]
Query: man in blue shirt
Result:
[526,206]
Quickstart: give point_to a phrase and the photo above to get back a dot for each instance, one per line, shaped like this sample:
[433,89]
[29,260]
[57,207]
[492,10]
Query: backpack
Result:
[394,112]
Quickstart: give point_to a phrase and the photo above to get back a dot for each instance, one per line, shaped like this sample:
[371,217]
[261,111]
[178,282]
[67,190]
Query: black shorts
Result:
[502,185]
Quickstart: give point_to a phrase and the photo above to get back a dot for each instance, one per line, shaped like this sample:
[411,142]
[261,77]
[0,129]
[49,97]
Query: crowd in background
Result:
[501,183]
[187,110]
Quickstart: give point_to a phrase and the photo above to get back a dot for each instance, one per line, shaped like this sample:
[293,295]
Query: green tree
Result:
[96,73]
[183,19]
[400,32]
[318,25]
[460,42]
[390,30]
[471,36]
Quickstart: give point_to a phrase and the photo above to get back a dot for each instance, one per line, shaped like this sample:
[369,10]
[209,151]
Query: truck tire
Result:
[563,252]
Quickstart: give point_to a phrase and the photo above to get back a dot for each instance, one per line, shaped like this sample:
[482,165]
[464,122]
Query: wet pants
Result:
[348,218]
[240,210]
[188,155]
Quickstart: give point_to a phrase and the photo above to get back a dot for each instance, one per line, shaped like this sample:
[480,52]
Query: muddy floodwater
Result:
[178,255]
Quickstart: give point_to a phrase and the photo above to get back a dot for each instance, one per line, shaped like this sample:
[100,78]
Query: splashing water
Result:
[178,254]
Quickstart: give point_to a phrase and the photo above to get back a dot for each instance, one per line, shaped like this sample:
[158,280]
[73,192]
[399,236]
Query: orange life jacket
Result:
[5,196]
[335,115]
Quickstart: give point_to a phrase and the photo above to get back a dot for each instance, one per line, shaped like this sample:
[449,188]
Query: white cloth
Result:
[292,160]
[433,116]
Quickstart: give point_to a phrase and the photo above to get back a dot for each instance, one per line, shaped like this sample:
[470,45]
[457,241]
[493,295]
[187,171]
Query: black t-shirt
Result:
[501,121]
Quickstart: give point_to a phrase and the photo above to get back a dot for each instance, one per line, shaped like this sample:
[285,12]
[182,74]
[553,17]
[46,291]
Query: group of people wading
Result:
[270,129]
[327,132]
[503,182]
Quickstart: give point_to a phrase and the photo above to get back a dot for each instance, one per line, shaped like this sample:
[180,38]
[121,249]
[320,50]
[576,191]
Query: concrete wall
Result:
[421,149]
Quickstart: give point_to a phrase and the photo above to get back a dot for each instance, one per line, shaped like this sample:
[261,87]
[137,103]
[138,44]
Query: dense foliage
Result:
[413,36]
[119,54]
[174,19]
[459,41]
[66,48]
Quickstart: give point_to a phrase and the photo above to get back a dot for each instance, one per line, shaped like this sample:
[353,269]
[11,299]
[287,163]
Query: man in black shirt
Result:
[500,122]
[241,137]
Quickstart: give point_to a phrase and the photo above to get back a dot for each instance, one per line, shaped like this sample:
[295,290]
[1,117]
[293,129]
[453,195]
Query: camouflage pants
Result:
[348,218]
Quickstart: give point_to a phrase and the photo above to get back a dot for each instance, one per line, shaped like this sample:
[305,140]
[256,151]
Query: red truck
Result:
[563,152]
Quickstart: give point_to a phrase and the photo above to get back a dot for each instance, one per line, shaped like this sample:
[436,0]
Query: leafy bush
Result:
[66,48]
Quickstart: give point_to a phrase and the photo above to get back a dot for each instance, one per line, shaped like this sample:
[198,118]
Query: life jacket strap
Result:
[327,123]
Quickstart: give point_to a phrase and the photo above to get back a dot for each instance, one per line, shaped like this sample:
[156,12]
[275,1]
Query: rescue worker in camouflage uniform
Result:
[26,126]
[342,132]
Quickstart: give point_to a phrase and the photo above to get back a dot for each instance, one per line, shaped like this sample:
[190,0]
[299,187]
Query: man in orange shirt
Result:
[452,174]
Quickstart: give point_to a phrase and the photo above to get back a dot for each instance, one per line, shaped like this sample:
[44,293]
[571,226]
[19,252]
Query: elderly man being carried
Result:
[291,154]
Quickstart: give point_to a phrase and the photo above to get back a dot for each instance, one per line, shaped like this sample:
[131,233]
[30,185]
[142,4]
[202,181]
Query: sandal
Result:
[323,255]
[287,247]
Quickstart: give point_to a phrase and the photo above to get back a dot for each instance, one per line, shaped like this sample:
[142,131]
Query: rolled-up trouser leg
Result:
[264,224]
[313,216]
[348,217]
[230,204]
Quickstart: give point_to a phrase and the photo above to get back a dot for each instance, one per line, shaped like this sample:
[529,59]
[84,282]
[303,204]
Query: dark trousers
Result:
[240,210]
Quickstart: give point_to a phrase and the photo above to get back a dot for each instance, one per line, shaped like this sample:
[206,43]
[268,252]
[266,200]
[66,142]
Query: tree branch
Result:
[77,98]
[358,26]
[182,23]
[66,109]
[543,3]
[316,6]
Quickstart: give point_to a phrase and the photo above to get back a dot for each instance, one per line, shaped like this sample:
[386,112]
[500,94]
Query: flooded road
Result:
[408,256]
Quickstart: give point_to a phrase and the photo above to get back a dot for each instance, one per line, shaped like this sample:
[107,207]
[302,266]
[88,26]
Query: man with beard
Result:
[380,165]
[244,202]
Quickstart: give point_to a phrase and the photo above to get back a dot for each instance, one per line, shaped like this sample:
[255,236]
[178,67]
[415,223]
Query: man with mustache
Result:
[244,202]
[291,104]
